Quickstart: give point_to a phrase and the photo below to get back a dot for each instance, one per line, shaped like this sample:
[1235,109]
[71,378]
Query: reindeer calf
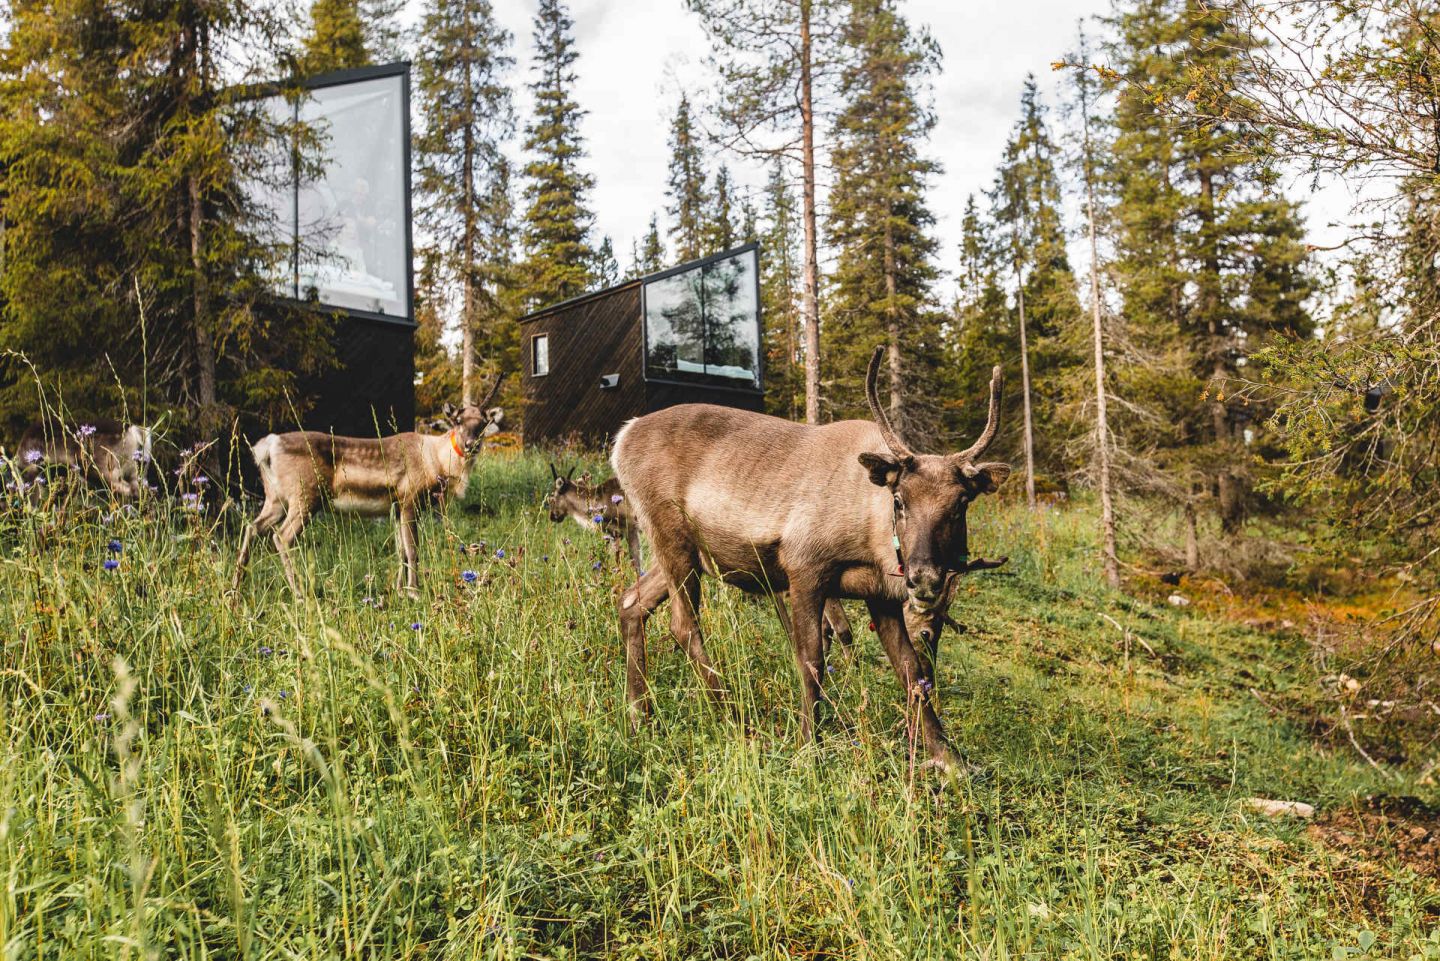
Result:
[596,506]
[115,454]
[304,471]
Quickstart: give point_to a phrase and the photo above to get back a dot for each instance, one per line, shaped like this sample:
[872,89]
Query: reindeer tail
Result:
[263,451]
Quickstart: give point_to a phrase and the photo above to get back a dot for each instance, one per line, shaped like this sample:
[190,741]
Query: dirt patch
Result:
[1384,829]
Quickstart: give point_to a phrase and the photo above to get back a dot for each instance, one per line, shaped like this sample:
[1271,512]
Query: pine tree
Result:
[980,332]
[648,256]
[685,186]
[879,223]
[1027,210]
[336,40]
[557,217]
[720,233]
[780,298]
[778,68]
[463,174]
[606,268]
[1210,260]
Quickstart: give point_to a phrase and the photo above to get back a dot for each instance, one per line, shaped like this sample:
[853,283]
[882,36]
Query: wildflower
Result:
[265,651]
[469,577]
[500,554]
[86,430]
[115,546]
[598,518]
[567,542]
[190,498]
[545,558]
[141,456]
[246,689]
[368,601]
[201,480]
[616,498]
[284,695]
[829,668]
[33,456]
[102,717]
[110,564]
[415,626]
[595,566]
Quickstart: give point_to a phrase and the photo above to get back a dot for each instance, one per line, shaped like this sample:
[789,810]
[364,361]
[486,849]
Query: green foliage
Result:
[879,223]
[557,220]
[336,40]
[649,256]
[265,778]
[780,263]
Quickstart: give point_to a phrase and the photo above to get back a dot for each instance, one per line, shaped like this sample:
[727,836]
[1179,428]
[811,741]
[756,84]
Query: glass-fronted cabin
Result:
[690,334]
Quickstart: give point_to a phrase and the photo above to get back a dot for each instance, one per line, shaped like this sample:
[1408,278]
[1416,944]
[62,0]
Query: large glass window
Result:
[347,211]
[703,324]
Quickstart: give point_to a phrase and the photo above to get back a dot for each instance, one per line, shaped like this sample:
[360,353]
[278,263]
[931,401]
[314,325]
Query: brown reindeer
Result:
[596,507]
[837,510]
[925,623]
[304,471]
[115,454]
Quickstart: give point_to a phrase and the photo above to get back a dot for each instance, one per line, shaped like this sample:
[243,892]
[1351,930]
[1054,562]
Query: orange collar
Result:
[455,446]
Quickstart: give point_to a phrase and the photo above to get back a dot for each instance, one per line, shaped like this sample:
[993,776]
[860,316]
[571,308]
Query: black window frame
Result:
[707,381]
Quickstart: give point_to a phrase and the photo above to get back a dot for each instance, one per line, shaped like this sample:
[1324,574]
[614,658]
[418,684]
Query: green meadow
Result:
[184,774]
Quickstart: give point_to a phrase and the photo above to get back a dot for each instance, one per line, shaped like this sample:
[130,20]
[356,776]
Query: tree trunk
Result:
[810,281]
[892,331]
[1102,423]
[1229,494]
[1192,538]
[200,304]
[1025,392]
[467,254]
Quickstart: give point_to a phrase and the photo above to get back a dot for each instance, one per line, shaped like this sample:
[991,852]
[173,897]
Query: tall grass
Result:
[186,775]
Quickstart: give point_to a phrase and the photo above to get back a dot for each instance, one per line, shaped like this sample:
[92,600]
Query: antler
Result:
[554,474]
[494,389]
[892,440]
[997,381]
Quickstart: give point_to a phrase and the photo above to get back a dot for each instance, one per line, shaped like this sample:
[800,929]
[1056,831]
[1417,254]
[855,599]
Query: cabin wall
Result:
[589,338]
[372,390]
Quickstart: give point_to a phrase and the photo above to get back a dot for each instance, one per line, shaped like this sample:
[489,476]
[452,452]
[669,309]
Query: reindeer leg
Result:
[838,624]
[635,607]
[408,538]
[271,513]
[917,679]
[685,625]
[632,538]
[285,536]
[807,602]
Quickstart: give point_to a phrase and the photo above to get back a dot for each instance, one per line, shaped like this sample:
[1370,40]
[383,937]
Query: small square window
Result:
[540,355]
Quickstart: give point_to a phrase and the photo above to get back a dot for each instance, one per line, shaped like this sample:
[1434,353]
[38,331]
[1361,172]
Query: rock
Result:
[1179,600]
[1275,809]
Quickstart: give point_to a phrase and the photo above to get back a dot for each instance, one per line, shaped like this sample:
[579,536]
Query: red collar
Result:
[455,446]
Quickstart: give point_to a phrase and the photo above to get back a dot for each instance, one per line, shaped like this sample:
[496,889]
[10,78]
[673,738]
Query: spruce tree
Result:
[336,40]
[1027,210]
[879,222]
[780,296]
[689,207]
[980,332]
[649,254]
[464,176]
[1210,259]
[721,230]
[558,256]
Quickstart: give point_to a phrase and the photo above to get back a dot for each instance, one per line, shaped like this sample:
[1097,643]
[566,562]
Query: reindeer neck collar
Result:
[456,446]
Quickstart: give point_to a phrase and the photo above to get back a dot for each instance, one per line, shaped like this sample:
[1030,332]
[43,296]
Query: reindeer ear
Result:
[989,477]
[448,411]
[884,472]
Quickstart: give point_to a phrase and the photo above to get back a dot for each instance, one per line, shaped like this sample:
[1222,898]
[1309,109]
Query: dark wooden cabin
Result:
[690,334]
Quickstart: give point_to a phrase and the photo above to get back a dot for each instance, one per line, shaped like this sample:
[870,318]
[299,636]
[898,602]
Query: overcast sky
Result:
[637,55]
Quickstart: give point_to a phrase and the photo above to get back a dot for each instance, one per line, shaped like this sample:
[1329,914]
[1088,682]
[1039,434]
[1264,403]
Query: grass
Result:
[359,776]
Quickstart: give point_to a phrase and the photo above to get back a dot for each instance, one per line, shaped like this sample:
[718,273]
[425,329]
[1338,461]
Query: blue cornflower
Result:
[110,564]
[102,717]
[415,626]
[284,695]
[500,554]
[598,518]
[595,566]
[201,480]
[469,577]
[545,558]
[115,546]
[265,651]
[34,456]
[87,430]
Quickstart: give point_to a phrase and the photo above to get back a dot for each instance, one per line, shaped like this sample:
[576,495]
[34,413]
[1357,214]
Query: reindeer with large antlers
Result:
[303,471]
[837,510]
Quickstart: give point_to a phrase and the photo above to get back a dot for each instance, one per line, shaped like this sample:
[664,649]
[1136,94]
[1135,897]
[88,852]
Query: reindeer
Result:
[303,471]
[925,623]
[115,454]
[837,510]
[596,506]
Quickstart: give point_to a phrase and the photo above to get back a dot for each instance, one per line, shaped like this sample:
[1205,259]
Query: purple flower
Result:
[415,626]
[86,430]
[141,456]
[265,651]
[34,456]
[246,689]
[368,601]
[598,518]
[284,695]
[102,717]
[115,546]
[545,558]
[500,554]
[616,498]
[469,577]
[201,480]
[595,566]
[110,564]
